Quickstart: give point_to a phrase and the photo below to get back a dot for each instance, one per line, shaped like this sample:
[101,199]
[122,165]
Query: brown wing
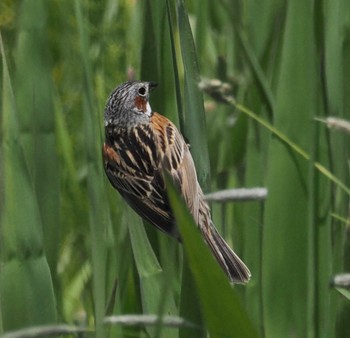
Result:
[131,162]
[134,161]
[177,159]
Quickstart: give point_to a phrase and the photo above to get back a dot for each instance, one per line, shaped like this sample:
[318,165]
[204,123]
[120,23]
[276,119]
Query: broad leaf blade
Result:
[223,313]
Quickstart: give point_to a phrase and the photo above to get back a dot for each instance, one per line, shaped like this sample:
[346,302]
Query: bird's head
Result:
[129,103]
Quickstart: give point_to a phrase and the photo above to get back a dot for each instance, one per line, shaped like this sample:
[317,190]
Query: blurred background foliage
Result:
[73,253]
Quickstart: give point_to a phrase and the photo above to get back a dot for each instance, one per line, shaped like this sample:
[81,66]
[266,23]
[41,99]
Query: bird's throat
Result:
[143,105]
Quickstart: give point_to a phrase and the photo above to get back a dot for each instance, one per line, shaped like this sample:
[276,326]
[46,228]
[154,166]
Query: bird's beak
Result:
[152,85]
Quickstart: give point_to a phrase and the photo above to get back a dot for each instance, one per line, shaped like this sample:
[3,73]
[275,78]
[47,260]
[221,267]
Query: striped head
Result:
[128,104]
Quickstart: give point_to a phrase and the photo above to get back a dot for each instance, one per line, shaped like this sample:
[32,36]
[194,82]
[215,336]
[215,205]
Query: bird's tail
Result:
[233,266]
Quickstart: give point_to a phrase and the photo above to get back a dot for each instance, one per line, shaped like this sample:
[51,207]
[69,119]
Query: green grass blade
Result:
[257,72]
[344,292]
[37,119]
[194,116]
[288,239]
[145,258]
[189,304]
[335,85]
[214,290]
[98,207]
[26,291]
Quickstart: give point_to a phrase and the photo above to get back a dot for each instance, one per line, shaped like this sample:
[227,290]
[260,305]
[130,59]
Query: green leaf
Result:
[222,310]
[98,208]
[26,290]
[288,238]
[194,116]
[344,292]
[145,258]
[33,87]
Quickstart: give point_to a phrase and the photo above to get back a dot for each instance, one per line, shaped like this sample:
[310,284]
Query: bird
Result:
[140,146]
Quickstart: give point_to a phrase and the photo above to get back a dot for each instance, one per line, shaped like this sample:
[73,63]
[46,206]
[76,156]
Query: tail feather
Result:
[233,266]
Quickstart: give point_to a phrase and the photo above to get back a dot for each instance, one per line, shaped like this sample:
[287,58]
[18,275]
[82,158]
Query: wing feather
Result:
[134,161]
[178,161]
[131,163]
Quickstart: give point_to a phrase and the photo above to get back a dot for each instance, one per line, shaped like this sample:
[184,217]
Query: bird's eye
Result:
[142,91]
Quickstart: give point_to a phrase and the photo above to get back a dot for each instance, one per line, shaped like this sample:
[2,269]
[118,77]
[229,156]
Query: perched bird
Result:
[139,146]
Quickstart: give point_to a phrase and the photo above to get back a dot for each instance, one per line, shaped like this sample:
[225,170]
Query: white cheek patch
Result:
[148,111]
